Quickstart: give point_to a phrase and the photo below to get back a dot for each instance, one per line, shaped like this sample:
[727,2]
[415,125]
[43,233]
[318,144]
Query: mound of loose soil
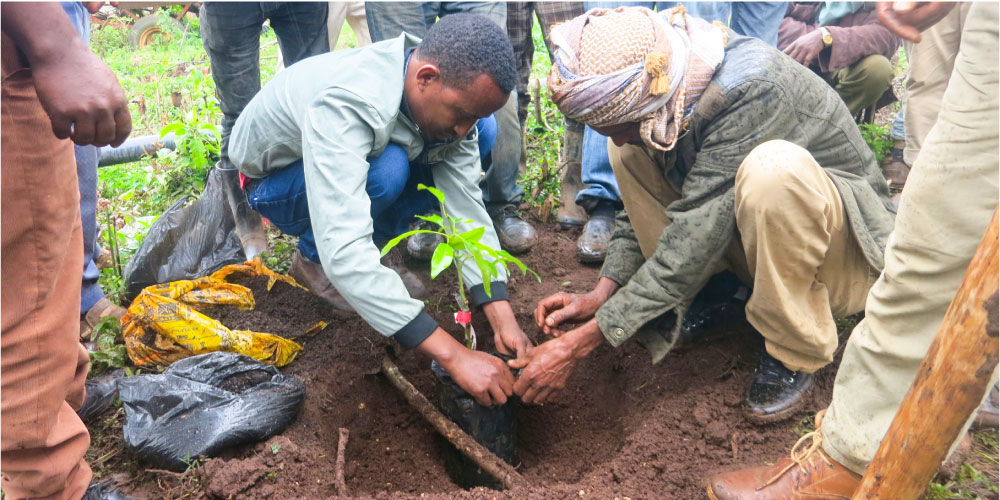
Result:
[623,428]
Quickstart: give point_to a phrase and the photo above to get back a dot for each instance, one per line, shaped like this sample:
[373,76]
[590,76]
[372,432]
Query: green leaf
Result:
[435,191]
[443,256]
[177,128]
[488,271]
[436,219]
[474,235]
[395,241]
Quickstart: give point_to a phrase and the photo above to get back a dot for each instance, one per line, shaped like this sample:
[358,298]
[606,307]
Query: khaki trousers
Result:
[793,246]
[44,366]
[946,206]
[354,14]
[861,84]
[931,62]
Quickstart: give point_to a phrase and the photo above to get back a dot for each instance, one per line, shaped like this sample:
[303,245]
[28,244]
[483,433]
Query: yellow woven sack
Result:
[163,324]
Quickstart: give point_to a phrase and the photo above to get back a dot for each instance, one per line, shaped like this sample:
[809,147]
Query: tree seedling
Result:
[461,248]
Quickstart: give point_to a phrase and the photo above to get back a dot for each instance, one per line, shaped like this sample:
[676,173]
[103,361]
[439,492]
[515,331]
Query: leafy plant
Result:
[878,139]
[109,353]
[460,248]
[196,136]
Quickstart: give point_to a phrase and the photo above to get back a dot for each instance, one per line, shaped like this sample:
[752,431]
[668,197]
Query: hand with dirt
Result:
[508,337]
[554,310]
[806,48]
[548,366]
[78,91]
[485,377]
[908,19]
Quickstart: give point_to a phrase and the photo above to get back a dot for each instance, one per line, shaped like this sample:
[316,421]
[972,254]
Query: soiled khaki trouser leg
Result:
[948,202]
[931,62]
[805,263]
[794,245]
[43,364]
[645,193]
[861,84]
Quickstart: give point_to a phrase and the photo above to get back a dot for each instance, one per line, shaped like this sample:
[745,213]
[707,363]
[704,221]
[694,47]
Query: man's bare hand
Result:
[908,19]
[485,377]
[508,337]
[806,48]
[82,97]
[563,307]
[511,340]
[548,366]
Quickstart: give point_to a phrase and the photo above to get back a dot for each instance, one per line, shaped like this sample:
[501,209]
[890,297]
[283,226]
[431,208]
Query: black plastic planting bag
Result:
[187,242]
[494,427]
[204,404]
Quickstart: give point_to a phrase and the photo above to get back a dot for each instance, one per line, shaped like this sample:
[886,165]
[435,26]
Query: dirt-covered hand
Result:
[511,340]
[82,97]
[908,19]
[806,48]
[556,309]
[485,377]
[547,367]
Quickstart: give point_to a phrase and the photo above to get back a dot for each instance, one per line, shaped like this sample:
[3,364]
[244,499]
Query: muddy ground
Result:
[623,429]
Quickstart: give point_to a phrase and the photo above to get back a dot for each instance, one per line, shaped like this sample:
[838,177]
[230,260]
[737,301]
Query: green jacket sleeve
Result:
[703,220]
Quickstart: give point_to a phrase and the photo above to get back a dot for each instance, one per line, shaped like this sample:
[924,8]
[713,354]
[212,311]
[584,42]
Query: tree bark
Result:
[951,382]
[484,458]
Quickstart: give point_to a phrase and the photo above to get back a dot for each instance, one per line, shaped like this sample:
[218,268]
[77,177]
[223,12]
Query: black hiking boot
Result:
[776,392]
[421,246]
[719,307]
[592,246]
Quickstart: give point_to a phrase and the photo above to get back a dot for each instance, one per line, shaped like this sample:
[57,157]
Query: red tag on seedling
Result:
[463,318]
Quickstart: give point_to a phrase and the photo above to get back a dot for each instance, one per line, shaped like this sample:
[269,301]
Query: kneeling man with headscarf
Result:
[730,156]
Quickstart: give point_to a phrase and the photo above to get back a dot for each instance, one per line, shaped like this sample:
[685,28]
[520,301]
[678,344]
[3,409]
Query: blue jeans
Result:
[230,33]
[898,129]
[392,188]
[757,19]
[389,19]
[596,172]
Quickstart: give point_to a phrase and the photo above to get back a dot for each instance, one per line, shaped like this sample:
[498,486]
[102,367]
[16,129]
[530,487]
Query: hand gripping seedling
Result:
[460,248]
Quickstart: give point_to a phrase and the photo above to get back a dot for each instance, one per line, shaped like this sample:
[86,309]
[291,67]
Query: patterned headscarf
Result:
[631,64]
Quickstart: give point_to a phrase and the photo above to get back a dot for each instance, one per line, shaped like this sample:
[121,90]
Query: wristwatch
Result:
[827,37]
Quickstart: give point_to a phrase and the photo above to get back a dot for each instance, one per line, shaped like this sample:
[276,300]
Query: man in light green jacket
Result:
[331,151]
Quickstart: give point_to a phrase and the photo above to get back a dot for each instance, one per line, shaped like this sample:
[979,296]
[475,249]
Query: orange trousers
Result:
[43,364]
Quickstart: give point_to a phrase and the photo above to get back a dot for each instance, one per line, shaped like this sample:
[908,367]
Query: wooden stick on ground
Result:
[484,458]
[951,382]
[339,475]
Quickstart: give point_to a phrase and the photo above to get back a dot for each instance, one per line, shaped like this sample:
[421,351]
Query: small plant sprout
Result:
[461,248]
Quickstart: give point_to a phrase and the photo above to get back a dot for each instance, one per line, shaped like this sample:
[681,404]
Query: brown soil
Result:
[622,429]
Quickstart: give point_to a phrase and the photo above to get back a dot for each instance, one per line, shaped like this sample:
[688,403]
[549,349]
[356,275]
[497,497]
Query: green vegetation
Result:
[458,248]
[877,138]
[109,353]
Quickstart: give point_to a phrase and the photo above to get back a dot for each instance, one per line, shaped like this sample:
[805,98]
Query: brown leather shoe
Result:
[895,168]
[310,275]
[102,309]
[808,474]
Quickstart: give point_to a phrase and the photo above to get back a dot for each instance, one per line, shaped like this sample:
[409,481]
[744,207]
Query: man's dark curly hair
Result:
[465,46]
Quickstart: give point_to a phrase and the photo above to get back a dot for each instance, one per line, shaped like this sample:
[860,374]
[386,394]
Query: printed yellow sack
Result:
[163,324]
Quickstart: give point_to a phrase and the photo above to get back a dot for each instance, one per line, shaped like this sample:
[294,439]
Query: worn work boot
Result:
[895,168]
[310,275]
[516,235]
[102,309]
[103,491]
[718,308]
[570,214]
[807,474]
[421,246]
[592,245]
[394,260]
[776,392]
